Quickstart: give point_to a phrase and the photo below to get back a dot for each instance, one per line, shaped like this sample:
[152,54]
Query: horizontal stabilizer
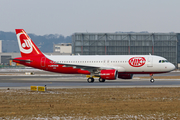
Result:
[22,60]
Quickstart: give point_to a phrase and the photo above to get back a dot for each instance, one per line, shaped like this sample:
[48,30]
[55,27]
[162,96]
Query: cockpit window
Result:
[163,61]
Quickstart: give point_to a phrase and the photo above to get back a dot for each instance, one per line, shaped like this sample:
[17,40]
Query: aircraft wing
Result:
[92,68]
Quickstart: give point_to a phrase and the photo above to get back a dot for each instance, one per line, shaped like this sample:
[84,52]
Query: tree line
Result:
[44,42]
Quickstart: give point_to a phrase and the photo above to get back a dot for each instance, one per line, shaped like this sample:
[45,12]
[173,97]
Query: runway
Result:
[16,78]
[79,82]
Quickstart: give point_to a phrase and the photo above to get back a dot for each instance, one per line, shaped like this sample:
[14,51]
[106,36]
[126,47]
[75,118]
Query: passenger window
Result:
[159,61]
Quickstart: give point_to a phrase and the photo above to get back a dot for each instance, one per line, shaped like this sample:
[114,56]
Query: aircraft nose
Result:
[172,67]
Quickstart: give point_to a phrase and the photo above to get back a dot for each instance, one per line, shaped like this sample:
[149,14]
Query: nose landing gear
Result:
[152,79]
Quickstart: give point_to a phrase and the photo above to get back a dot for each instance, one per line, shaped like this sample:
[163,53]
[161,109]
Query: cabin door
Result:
[150,62]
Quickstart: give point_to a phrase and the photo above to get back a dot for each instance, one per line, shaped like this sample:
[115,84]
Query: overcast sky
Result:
[69,16]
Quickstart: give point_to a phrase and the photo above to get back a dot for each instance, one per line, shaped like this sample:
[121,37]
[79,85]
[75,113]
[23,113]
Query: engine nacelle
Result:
[125,76]
[108,74]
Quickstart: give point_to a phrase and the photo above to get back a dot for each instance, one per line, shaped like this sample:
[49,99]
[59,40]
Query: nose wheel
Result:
[152,79]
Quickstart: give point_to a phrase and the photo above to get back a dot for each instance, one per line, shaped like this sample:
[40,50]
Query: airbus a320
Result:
[106,67]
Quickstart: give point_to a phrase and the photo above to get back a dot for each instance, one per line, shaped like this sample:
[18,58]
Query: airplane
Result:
[106,67]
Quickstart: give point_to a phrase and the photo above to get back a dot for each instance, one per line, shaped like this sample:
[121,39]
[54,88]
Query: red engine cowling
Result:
[125,76]
[109,74]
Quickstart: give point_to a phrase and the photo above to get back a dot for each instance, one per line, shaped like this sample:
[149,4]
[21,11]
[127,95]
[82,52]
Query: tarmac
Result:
[17,79]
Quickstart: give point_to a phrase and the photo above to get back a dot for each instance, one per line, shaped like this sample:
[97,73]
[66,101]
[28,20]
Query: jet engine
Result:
[108,74]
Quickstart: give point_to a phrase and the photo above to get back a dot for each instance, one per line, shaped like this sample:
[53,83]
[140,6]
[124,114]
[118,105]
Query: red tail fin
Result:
[26,45]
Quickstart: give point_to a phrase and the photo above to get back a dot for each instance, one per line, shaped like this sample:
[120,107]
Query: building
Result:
[161,44]
[63,48]
[5,57]
[0,46]
[10,46]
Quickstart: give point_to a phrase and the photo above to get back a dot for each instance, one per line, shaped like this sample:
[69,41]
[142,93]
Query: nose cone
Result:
[171,67]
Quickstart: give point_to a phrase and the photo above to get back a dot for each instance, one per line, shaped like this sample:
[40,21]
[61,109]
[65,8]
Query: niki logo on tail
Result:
[24,43]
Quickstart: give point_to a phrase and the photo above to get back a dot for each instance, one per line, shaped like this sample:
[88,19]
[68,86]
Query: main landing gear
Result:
[101,80]
[91,80]
[152,79]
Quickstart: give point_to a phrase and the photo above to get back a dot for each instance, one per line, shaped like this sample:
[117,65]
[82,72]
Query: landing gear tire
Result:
[90,80]
[152,80]
[101,80]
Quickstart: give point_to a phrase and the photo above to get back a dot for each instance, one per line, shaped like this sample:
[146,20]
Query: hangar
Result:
[161,44]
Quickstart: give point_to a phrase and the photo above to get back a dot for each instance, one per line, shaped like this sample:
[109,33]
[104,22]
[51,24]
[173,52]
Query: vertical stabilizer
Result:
[26,45]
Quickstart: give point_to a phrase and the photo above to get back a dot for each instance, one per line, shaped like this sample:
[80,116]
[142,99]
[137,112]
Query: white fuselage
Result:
[118,62]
